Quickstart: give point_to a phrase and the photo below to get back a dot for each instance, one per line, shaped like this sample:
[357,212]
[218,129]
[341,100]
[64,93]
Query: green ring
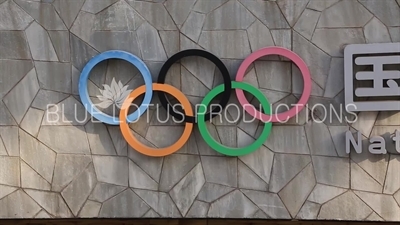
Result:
[224,149]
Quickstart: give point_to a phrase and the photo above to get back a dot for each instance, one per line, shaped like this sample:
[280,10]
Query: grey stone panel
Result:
[90,210]
[40,43]
[18,69]
[374,217]
[309,211]
[45,99]
[282,38]
[319,139]
[68,10]
[388,118]
[94,6]
[152,166]
[392,183]
[14,45]
[42,13]
[362,181]
[193,26]
[229,16]
[388,11]
[335,82]
[384,205]
[8,12]
[324,193]
[260,162]
[18,205]
[159,201]
[110,40]
[43,215]
[51,202]
[139,179]
[67,168]
[376,32]
[239,206]
[395,33]
[211,192]
[345,14]
[83,26]
[122,205]
[103,192]
[99,139]
[338,134]
[31,179]
[260,215]
[208,6]
[275,209]
[247,179]
[376,170]
[170,40]
[117,171]
[307,22]
[81,53]
[150,43]
[60,40]
[198,210]
[32,120]
[179,10]
[9,136]
[288,139]
[121,147]
[54,76]
[226,167]
[10,171]
[151,214]
[321,5]
[332,171]
[292,9]
[268,78]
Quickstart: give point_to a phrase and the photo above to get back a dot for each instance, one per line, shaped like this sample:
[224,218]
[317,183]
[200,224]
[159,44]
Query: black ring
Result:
[218,63]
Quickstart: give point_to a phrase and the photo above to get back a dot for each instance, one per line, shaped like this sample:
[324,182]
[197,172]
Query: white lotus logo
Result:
[115,93]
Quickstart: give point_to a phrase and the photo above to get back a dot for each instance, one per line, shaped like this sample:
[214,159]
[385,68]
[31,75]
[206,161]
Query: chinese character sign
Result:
[372,77]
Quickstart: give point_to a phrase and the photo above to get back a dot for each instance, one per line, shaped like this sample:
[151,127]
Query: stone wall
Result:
[73,167]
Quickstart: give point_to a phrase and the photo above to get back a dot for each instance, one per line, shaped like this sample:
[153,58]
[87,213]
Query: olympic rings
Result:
[306,78]
[83,81]
[188,115]
[220,65]
[227,150]
[141,147]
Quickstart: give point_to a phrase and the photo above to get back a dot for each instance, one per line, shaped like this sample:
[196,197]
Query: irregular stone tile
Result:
[151,165]
[54,76]
[321,5]
[317,61]
[374,217]
[227,135]
[31,179]
[6,190]
[115,173]
[384,205]
[67,10]
[345,14]
[38,156]
[170,39]
[139,179]
[260,162]
[259,36]
[83,26]
[76,193]
[67,168]
[282,38]
[43,215]
[397,197]
[323,193]
[329,111]
[151,214]
[337,38]
[103,192]
[18,69]
[211,192]
[65,139]
[292,9]
[200,68]
[186,43]
[345,207]
[155,14]
[18,205]
[335,82]
[309,211]
[275,209]
[90,210]
[362,181]
[179,10]
[298,84]
[32,120]
[9,11]
[267,12]
[9,137]
[68,112]
[260,215]
[307,23]
[160,202]
[99,139]
[122,205]
[388,119]
[9,171]
[288,139]
[395,33]
[41,13]
[118,17]
[107,40]
[388,11]
[376,32]
[150,43]
[227,168]
[94,7]
[240,206]
[170,175]
[295,193]
[164,137]
[319,139]
[6,118]
[392,183]
[198,210]
[207,6]
[211,41]
[14,45]
[230,16]
[377,169]
[51,202]
[121,147]
[81,53]
[45,99]
[285,168]
[332,171]
[193,26]
[60,40]
[21,96]
[247,179]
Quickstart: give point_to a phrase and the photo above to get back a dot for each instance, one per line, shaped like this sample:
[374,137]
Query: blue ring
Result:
[115,54]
